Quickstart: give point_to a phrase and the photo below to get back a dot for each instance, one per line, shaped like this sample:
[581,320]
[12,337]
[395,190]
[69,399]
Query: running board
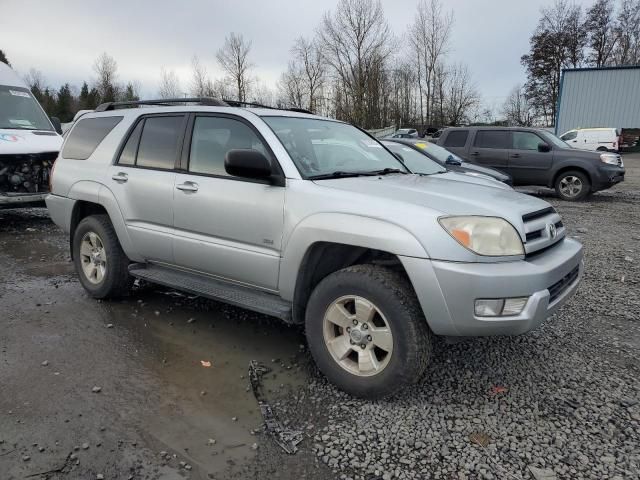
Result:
[219,290]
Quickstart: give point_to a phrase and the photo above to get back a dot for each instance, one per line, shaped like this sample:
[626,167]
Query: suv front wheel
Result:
[366,331]
[572,185]
[100,262]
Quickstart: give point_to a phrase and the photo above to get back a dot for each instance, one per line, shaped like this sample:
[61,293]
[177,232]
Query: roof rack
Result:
[208,101]
[237,103]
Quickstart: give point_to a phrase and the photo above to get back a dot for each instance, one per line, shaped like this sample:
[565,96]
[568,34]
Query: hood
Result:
[443,193]
[16,141]
[471,176]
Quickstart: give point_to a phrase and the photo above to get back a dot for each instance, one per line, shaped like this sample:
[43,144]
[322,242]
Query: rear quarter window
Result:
[87,135]
[456,138]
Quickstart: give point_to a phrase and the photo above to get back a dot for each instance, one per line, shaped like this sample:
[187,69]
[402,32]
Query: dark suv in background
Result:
[536,157]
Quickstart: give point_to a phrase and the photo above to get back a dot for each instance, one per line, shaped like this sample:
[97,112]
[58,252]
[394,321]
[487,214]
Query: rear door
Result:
[142,179]
[490,148]
[527,165]
[455,141]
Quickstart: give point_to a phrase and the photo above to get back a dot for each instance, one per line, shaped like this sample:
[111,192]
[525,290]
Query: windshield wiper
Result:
[340,174]
[386,171]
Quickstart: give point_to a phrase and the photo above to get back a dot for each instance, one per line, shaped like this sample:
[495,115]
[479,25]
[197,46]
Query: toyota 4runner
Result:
[310,220]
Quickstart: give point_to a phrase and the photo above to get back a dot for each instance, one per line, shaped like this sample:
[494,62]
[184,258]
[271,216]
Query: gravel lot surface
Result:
[562,402]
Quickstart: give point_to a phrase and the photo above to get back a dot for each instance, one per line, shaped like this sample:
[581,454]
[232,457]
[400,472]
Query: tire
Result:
[567,182]
[95,236]
[602,149]
[405,353]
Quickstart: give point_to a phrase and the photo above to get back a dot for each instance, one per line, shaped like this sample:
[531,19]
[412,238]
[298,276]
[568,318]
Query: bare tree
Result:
[600,30]
[169,84]
[106,70]
[309,54]
[233,57]
[517,108]
[291,86]
[430,33]
[356,42]
[462,95]
[627,31]
[201,85]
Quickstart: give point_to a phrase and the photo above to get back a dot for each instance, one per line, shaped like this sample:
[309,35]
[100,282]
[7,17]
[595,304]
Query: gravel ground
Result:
[562,402]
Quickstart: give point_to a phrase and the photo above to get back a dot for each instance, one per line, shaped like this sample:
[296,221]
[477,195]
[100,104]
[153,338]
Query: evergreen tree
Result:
[3,58]
[130,94]
[83,98]
[64,104]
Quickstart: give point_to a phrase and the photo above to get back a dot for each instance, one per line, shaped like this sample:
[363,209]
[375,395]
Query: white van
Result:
[29,143]
[599,139]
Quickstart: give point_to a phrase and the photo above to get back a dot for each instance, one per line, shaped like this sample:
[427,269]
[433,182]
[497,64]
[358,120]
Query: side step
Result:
[225,292]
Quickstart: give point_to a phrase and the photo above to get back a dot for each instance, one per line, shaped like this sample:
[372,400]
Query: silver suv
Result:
[310,220]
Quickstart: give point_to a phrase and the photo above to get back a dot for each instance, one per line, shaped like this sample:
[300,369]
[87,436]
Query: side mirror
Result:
[544,147]
[247,163]
[452,161]
[55,121]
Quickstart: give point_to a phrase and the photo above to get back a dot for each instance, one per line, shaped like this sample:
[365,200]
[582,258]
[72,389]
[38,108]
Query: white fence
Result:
[382,132]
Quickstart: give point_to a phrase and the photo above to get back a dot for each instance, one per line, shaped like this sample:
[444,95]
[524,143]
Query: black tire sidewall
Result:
[586,185]
[400,370]
[113,252]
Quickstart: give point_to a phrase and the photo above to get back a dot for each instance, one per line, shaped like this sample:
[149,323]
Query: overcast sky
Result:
[145,35]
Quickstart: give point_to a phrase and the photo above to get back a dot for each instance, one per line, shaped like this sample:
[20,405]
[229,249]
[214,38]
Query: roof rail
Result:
[237,103]
[208,101]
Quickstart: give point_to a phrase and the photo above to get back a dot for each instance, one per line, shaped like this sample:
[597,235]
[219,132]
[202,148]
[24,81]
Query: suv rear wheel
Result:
[572,185]
[366,331]
[99,260]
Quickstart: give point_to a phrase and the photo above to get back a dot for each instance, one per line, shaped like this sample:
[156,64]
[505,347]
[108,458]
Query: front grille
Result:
[539,231]
[561,285]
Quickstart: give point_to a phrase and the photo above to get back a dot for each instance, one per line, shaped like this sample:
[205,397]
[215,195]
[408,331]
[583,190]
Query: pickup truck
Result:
[310,220]
[535,156]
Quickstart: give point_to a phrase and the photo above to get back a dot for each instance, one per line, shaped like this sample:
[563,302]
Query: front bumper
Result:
[447,290]
[607,176]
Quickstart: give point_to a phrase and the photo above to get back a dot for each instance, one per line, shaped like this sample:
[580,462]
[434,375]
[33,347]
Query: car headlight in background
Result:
[491,236]
[610,158]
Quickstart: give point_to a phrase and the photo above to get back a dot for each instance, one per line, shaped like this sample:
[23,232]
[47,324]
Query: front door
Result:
[143,181]
[226,226]
[527,165]
[490,148]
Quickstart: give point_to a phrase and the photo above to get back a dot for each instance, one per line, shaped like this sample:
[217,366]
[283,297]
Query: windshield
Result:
[439,154]
[414,160]
[551,138]
[19,110]
[322,147]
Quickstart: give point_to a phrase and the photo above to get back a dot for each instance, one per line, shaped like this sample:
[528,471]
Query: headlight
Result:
[492,236]
[610,158]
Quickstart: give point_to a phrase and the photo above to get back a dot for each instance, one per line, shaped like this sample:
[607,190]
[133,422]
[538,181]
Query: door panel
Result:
[527,165]
[229,228]
[226,226]
[490,148]
[145,198]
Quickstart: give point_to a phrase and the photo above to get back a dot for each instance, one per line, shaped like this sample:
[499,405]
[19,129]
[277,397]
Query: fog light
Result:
[500,307]
[513,306]
[489,307]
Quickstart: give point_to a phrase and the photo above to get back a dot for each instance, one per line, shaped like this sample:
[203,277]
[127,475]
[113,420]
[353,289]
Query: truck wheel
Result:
[366,331]
[99,260]
[572,185]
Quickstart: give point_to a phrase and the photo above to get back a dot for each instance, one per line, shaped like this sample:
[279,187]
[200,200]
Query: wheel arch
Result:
[570,168]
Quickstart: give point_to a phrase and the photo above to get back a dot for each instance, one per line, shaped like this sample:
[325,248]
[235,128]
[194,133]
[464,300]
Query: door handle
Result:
[515,155]
[188,187]
[120,177]
[474,154]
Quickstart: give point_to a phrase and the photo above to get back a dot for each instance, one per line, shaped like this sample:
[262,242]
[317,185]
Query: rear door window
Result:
[498,139]
[456,138]
[159,142]
[86,135]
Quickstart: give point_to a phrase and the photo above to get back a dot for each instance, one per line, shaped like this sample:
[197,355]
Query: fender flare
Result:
[346,229]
